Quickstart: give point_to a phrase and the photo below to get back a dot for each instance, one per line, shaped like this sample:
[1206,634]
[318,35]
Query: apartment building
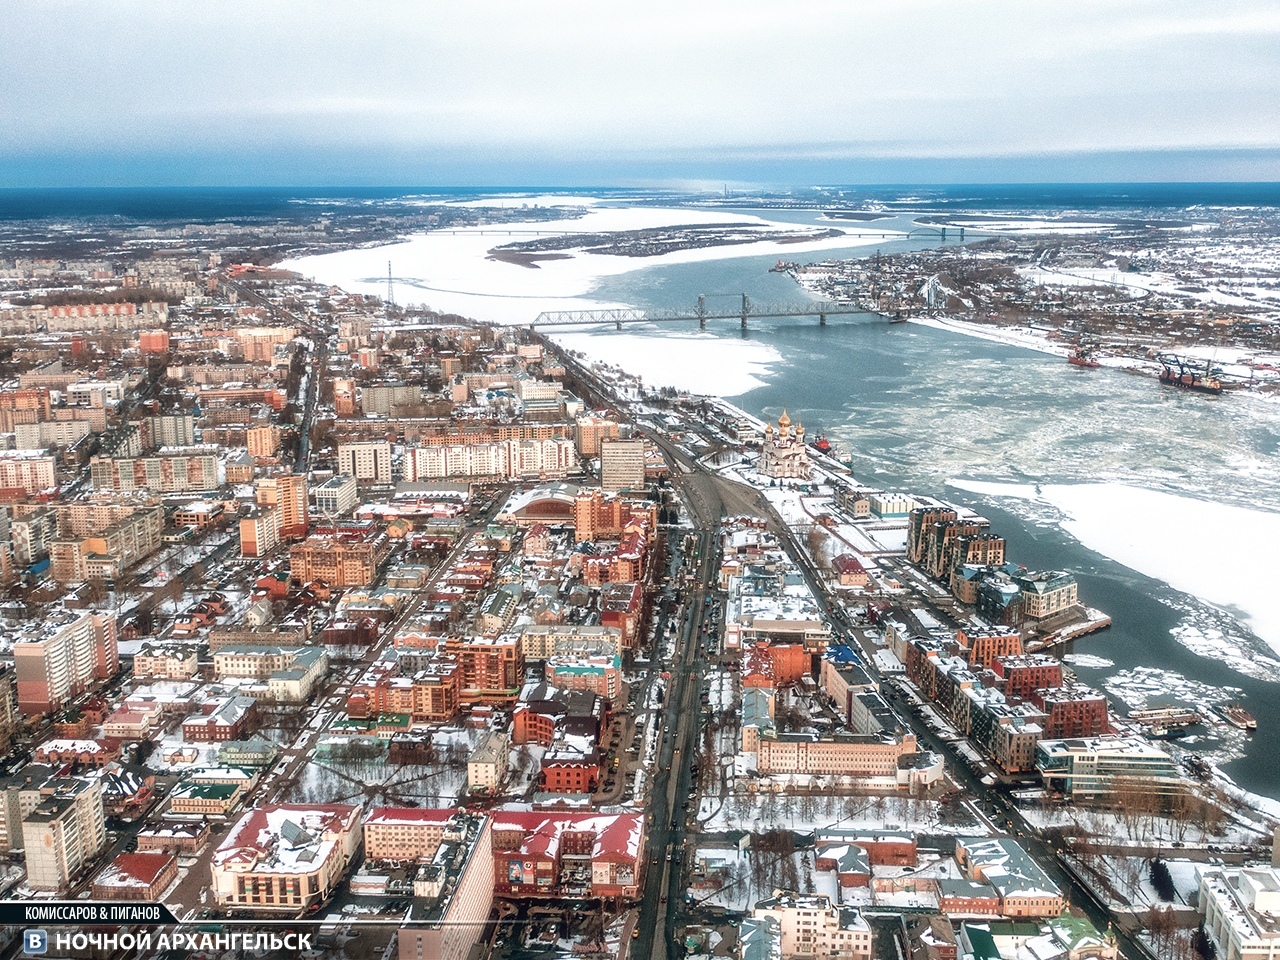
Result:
[286,492]
[552,457]
[366,460]
[62,656]
[338,561]
[110,550]
[63,833]
[189,468]
[259,531]
[27,471]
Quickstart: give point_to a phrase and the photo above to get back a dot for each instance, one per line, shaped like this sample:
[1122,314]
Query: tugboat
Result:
[1187,378]
[1082,356]
[1238,716]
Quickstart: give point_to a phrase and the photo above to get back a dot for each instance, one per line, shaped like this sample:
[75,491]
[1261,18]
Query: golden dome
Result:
[784,421]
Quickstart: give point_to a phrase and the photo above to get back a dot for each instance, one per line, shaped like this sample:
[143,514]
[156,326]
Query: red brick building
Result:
[1077,711]
[136,876]
[570,772]
[1024,675]
[622,606]
[539,854]
[984,647]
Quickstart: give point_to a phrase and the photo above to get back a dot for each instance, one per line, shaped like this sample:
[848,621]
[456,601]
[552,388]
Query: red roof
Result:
[847,563]
[143,867]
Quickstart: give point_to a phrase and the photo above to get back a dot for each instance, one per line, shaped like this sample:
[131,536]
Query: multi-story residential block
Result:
[287,492]
[1046,594]
[174,471]
[62,656]
[491,669]
[344,398]
[129,535]
[50,433]
[589,431]
[338,561]
[285,857]
[263,440]
[1075,711]
[63,833]
[384,398]
[168,430]
[600,674]
[405,834]
[1021,676]
[597,515]
[259,343]
[541,642]
[501,459]
[259,531]
[27,471]
[366,460]
[981,648]
[168,662]
[31,534]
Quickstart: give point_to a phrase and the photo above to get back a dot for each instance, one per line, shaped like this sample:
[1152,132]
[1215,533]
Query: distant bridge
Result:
[748,310]
[552,231]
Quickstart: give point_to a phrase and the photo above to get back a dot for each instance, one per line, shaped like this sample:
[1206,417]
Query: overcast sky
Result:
[541,91]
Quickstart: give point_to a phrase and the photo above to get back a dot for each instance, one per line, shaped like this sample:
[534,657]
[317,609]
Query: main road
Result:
[672,784]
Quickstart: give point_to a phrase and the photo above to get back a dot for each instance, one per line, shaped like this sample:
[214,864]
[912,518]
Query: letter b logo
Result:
[35,942]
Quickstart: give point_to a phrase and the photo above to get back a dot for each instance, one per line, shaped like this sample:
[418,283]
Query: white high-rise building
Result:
[368,460]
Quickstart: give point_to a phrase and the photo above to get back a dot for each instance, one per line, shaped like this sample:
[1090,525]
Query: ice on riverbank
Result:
[1226,557]
[699,362]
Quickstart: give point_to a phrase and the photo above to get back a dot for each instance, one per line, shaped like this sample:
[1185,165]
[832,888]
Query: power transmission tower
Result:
[391,297]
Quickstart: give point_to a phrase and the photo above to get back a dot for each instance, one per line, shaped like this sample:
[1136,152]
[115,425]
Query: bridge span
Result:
[812,308]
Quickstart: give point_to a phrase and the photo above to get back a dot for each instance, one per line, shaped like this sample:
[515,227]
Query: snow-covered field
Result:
[1115,520]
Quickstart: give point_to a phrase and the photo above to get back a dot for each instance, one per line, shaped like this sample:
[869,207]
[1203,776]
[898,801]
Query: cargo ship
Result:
[1238,716]
[1082,357]
[1176,372]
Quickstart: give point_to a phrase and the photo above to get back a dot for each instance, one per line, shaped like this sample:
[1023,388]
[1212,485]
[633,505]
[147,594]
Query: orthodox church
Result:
[783,454]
